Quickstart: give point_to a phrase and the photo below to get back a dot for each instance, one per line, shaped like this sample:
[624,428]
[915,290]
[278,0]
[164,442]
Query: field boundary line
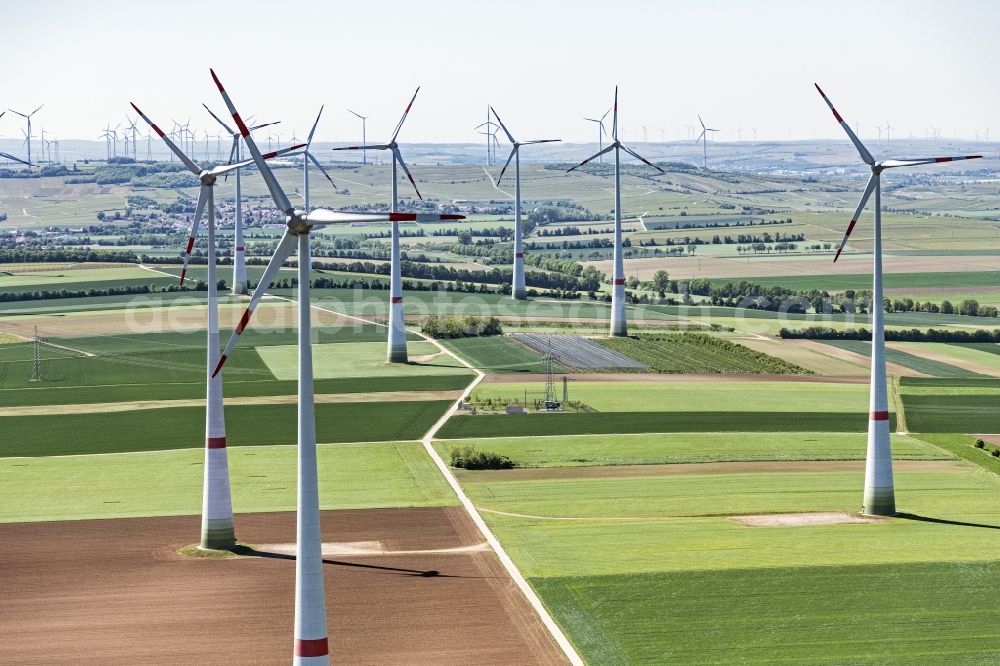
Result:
[502,555]
[495,186]
[536,603]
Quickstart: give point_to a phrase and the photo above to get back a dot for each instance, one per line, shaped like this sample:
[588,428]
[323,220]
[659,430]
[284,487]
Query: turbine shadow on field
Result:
[943,521]
[429,573]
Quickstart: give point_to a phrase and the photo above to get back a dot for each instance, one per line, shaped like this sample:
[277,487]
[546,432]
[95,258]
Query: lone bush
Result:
[980,444]
[467,457]
[995,453]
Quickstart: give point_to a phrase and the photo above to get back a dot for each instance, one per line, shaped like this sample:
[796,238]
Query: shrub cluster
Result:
[994,451]
[467,457]
[460,327]
[912,335]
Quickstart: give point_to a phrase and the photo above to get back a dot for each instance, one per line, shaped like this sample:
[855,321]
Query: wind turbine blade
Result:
[857,213]
[640,157]
[399,125]
[865,155]
[701,121]
[917,161]
[399,158]
[36,110]
[257,127]
[592,157]
[503,127]
[218,120]
[614,123]
[232,154]
[15,159]
[357,114]
[320,167]
[192,167]
[605,114]
[202,199]
[280,199]
[284,249]
[226,168]
[699,136]
[378,147]
[324,216]
[526,143]
[504,169]
[309,139]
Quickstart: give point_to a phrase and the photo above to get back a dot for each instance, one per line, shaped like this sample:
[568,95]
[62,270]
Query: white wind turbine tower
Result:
[27,118]
[364,134]
[601,133]
[306,157]
[619,327]
[397,331]
[217,508]
[703,137]
[239,250]
[879,495]
[518,290]
[311,643]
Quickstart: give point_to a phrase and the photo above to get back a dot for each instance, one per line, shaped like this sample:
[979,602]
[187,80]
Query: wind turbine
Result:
[703,137]
[306,157]
[217,508]
[879,496]
[364,135]
[27,118]
[515,154]
[397,331]
[601,133]
[239,255]
[618,325]
[311,646]
[491,137]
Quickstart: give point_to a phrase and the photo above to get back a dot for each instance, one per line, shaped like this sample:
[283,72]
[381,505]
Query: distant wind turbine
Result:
[27,118]
[703,137]
[618,324]
[518,290]
[364,134]
[601,133]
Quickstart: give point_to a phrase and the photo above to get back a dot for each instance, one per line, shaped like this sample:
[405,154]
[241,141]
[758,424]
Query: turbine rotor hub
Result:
[296,225]
[207,178]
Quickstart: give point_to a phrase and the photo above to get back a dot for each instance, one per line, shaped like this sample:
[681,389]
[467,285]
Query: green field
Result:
[803,615]
[232,388]
[498,355]
[535,425]
[362,359]
[663,449]
[638,569]
[184,427]
[698,353]
[162,483]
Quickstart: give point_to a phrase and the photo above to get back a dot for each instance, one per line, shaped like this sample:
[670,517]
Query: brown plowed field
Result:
[116,592]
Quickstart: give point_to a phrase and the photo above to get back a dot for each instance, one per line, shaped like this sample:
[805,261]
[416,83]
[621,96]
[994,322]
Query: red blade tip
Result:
[216,79]
[219,366]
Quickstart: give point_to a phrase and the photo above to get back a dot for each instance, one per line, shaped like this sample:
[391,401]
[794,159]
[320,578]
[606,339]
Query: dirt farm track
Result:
[116,592]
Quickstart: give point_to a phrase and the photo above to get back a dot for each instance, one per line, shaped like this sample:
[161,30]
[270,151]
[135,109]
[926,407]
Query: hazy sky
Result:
[542,64]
